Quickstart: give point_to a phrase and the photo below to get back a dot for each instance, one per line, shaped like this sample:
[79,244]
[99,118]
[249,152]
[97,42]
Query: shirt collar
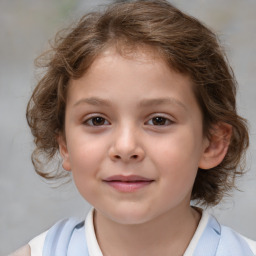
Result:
[205,221]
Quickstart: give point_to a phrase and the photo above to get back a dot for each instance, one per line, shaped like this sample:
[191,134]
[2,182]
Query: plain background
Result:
[28,205]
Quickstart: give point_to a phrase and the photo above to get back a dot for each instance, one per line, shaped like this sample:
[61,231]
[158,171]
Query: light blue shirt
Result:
[68,237]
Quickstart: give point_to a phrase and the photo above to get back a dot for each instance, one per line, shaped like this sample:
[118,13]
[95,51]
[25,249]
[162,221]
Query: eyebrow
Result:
[144,103]
[93,101]
[161,101]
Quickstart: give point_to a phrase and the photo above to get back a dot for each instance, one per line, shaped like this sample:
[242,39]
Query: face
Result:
[133,137]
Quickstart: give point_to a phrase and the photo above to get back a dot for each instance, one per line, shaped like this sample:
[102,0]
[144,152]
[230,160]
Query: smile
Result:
[127,184]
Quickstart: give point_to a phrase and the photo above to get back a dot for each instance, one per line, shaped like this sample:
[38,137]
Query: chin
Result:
[130,216]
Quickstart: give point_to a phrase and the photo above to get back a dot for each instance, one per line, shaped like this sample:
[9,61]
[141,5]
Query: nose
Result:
[127,146]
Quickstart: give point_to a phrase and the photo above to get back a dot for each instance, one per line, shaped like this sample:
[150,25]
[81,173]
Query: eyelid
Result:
[94,115]
[165,116]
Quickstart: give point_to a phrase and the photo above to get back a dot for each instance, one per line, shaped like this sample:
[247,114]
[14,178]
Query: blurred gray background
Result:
[28,205]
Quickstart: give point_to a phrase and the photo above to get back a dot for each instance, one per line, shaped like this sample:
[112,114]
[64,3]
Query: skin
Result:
[134,115]
[128,95]
[23,251]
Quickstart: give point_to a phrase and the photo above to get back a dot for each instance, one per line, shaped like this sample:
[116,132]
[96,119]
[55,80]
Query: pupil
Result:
[158,121]
[98,121]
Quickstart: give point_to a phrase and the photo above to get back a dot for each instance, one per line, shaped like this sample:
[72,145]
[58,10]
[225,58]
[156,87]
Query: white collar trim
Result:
[92,243]
[94,248]
[199,231]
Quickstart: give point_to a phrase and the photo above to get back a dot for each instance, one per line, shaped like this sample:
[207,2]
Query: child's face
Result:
[134,137]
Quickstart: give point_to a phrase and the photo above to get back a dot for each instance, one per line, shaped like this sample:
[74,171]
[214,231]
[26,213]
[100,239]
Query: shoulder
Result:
[23,251]
[236,241]
[64,236]
[219,240]
[37,244]
[251,243]
[61,232]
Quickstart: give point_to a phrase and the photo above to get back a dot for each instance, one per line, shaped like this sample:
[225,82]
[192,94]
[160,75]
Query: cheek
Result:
[177,157]
[85,168]
[85,152]
[86,157]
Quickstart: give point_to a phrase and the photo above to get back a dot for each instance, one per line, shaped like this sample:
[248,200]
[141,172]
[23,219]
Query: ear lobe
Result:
[217,146]
[64,153]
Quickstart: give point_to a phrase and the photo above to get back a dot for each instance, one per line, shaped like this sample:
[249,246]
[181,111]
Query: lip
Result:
[129,183]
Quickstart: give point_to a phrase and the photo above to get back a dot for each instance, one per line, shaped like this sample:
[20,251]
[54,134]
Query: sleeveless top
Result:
[73,237]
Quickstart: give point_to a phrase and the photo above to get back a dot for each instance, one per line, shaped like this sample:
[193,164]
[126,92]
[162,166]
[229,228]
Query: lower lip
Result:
[128,186]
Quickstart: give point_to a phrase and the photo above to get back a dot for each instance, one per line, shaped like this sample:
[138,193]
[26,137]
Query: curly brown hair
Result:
[184,43]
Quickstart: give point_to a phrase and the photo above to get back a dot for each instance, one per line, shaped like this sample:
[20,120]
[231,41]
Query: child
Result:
[139,100]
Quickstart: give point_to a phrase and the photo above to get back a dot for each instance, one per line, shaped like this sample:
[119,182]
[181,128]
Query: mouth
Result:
[127,184]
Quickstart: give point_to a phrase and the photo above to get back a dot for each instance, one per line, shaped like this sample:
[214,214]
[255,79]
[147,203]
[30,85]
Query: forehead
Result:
[139,53]
[144,55]
[141,74]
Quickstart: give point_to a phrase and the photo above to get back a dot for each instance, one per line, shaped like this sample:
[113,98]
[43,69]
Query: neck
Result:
[167,234]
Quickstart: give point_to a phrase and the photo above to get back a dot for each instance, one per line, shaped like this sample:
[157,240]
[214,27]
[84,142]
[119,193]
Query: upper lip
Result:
[128,178]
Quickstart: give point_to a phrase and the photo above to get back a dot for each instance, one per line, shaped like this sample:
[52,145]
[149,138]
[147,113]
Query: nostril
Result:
[126,158]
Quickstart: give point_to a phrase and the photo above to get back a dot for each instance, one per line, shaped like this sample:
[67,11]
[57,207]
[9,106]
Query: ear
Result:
[217,146]
[64,152]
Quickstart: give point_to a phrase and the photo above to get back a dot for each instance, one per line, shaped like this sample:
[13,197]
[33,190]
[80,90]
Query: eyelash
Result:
[161,119]
[89,122]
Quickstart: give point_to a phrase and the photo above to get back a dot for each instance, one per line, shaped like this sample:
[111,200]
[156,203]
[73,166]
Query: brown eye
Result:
[160,121]
[96,121]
